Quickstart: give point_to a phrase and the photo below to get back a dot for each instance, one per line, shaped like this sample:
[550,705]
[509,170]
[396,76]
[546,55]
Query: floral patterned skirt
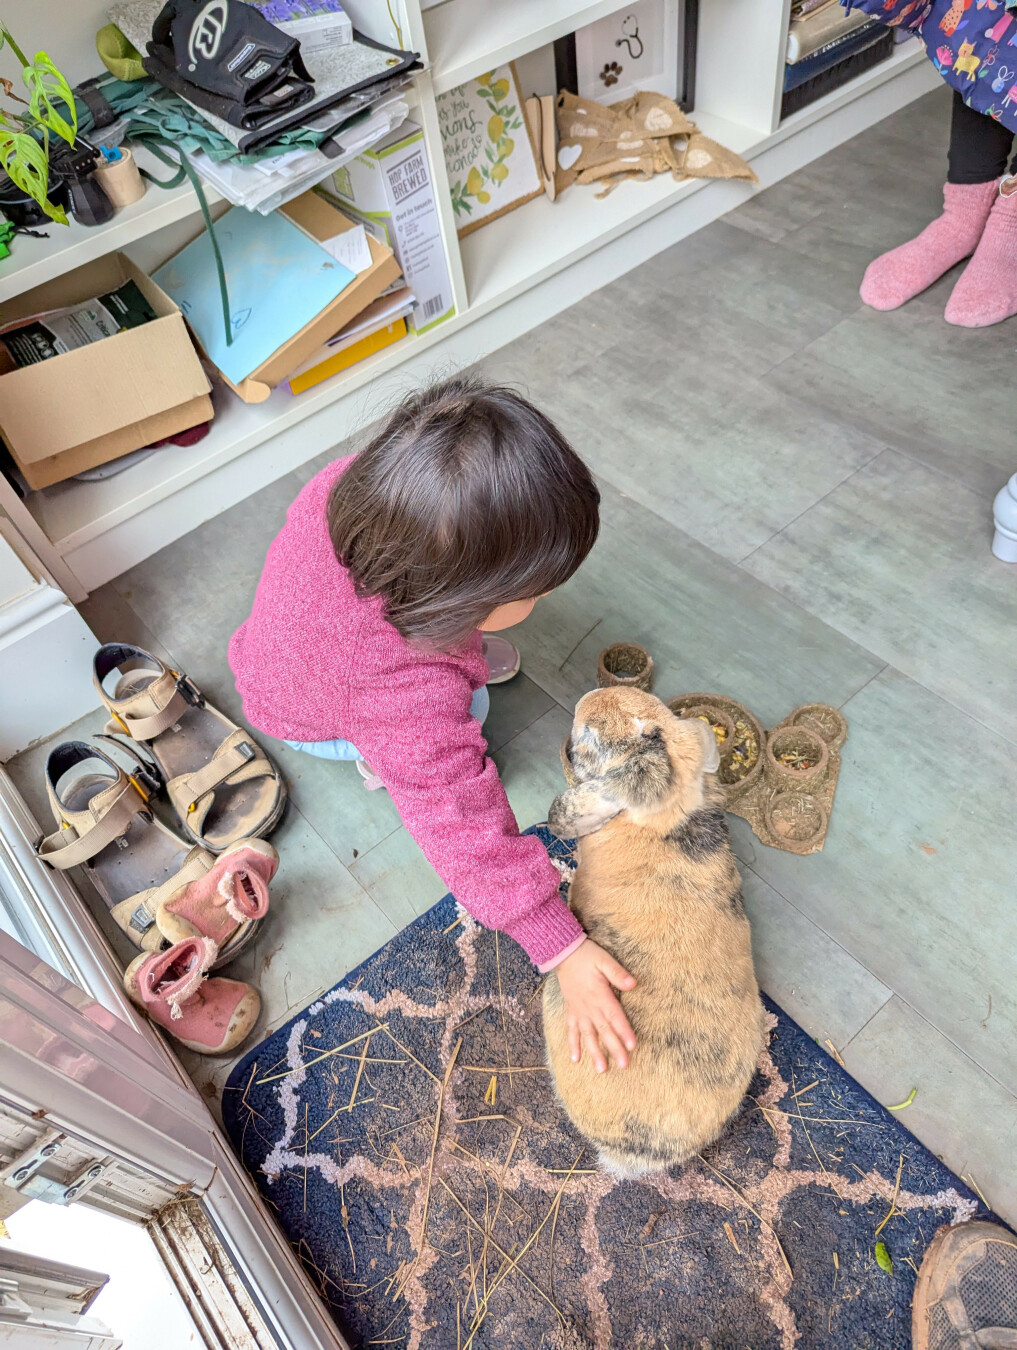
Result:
[972,43]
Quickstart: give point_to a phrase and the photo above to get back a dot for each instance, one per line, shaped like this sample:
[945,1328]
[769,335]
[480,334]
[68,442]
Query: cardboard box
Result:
[389,188]
[86,407]
[322,220]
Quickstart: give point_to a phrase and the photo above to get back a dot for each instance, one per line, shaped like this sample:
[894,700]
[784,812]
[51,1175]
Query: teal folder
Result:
[277,277]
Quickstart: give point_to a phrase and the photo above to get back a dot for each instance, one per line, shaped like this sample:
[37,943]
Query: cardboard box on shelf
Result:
[390,189]
[91,405]
[323,221]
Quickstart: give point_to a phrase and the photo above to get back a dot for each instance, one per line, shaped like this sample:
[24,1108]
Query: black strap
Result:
[103,112]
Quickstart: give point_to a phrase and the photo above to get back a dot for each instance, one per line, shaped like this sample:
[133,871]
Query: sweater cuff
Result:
[546,966]
[547,931]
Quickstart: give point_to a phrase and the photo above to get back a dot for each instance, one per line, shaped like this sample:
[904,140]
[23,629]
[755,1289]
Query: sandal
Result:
[153,883]
[221,783]
[211,1016]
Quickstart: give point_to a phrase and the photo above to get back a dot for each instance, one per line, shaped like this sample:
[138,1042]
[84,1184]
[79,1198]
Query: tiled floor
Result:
[796,507]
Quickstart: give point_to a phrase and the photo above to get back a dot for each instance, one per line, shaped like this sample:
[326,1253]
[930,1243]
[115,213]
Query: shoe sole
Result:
[511,675]
[925,1293]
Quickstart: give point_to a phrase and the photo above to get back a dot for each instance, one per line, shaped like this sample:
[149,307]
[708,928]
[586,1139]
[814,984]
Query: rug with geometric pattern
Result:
[404,1131]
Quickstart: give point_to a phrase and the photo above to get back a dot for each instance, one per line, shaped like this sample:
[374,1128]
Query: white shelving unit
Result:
[507,277]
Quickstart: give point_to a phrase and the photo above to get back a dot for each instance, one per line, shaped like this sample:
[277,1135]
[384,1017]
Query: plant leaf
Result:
[46,84]
[883,1259]
[25,162]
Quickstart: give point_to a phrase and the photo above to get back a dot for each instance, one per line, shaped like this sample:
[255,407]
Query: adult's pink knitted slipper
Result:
[909,269]
[226,902]
[211,1016]
[986,291]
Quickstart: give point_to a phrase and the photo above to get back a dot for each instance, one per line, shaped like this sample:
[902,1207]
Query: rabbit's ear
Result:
[582,809]
[702,744]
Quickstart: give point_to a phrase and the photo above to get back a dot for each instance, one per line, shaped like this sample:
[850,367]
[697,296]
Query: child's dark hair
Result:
[467,499]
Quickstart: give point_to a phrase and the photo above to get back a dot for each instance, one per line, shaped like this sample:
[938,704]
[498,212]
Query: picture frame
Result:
[652,44]
[489,153]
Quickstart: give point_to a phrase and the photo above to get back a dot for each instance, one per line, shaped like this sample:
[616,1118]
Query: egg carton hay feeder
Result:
[625,663]
[781,781]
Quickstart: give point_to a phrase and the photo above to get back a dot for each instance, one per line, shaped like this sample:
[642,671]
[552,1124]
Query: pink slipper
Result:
[212,1016]
[986,291]
[905,271]
[226,903]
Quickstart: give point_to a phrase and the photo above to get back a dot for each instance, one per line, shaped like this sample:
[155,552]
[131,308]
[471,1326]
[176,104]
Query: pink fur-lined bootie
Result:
[210,1015]
[986,291]
[906,271]
[225,903]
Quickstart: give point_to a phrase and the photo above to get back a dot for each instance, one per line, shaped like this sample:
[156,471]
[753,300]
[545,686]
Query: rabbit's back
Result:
[670,910]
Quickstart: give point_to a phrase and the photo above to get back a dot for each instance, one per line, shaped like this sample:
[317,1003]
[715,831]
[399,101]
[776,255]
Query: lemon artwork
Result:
[485,178]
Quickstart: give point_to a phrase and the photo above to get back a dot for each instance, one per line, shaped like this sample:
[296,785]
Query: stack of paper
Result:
[378,326]
[272,182]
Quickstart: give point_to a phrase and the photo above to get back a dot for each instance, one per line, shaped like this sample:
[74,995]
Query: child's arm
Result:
[419,738]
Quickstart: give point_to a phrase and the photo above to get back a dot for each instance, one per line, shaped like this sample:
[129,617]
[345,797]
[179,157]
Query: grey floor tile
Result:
[730,462]
[709,625]
[112,619]
[320,925]
[514,706]
[960,1112]
[530,767]
[332,798]
[399,878]
[916,878]
[908,378]
[910,577]
[901,161]
[820,984]
[192,594]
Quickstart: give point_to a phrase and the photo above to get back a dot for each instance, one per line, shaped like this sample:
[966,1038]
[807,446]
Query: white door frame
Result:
[92,1066]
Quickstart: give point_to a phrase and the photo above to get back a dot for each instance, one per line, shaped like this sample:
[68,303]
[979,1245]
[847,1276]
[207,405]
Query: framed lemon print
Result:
[488,153]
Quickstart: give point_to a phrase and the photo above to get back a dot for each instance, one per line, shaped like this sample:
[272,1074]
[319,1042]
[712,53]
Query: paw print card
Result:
[630,50]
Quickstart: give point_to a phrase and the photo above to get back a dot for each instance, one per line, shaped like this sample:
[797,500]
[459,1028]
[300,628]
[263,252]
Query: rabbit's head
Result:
[628,752]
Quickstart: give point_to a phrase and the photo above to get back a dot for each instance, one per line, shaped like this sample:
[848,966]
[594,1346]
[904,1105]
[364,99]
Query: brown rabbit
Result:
[656,885]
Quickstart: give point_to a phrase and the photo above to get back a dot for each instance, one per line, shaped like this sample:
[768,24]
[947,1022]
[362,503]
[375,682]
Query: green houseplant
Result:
[25,135]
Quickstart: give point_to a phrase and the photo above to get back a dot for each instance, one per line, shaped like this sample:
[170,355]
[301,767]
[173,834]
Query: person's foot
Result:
[905,271]
[371,780]
[503,660]
[986,292]
[966,1294]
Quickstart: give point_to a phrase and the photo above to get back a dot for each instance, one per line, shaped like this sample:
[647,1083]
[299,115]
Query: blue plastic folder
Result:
[278,280]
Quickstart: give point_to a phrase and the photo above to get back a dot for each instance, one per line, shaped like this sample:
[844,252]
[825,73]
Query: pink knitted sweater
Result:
[315,663]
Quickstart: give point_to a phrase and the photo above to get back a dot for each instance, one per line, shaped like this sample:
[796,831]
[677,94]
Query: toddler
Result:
[365,643]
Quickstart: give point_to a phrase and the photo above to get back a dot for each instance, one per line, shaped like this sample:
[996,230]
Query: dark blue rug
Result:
[768,1242]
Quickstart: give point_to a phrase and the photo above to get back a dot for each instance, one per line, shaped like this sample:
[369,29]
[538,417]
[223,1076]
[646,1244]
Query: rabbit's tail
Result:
[628,1166]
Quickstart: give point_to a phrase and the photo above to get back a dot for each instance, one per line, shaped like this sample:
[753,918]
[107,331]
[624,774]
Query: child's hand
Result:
[593,1015]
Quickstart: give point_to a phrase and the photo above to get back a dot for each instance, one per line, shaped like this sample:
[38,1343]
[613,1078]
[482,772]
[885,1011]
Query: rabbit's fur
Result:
[656,885]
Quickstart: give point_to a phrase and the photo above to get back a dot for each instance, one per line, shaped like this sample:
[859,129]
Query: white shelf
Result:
[518,269]
[523,247]
[35,261]
[73,514]
[465,38]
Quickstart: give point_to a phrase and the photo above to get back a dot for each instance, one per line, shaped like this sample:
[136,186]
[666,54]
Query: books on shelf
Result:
[832,53]
[377,327]
[821,28]
[853,59]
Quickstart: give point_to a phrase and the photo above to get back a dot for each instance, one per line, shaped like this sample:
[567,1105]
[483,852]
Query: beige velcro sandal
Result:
[221,783]
[144,873]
